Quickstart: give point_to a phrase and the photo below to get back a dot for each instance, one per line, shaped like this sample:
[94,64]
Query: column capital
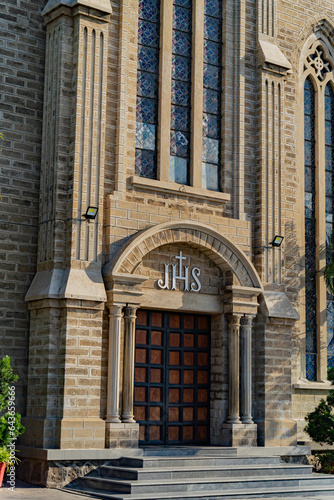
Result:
[247,319]
[233,319]
[130,310]
[115,310]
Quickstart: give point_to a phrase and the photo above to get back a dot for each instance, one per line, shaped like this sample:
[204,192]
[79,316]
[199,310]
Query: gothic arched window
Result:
[329,163]
[319,210]
[310,227]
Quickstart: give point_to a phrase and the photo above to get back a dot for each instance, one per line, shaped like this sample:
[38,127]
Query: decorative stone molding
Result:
[217,247]
[102,5]
[273,59]
[241,300]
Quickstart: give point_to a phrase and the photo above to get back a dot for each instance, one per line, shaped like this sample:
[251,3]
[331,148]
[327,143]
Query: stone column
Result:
[246,369]
[234,367]
[115,318]
[129,363]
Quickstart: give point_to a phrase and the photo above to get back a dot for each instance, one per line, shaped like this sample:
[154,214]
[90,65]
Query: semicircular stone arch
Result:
[218,248]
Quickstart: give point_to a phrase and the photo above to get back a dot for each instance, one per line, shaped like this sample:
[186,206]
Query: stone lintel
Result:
[125,288]
[81,284]
[241,300]
[99,5]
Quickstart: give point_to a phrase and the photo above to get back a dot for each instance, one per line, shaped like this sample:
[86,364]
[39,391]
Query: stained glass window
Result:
[147,88]
[329,156]
[310,236]
[212,94]
[181,92]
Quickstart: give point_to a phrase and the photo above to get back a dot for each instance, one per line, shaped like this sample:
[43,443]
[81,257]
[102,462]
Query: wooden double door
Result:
[172,378]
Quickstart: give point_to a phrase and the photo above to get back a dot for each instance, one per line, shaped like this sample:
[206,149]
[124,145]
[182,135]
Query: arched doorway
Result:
[165,281]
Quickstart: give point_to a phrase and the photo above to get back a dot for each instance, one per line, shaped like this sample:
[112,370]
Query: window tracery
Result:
[319,209]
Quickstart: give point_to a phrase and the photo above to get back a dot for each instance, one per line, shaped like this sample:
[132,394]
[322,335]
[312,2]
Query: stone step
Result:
[237,494]
[143,474]
[177,486]
[196,461]
[207,451]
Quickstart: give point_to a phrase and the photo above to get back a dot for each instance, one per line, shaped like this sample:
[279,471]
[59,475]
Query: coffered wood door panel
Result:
[172,378]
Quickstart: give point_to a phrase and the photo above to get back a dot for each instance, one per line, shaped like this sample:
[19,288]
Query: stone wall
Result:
[22,42]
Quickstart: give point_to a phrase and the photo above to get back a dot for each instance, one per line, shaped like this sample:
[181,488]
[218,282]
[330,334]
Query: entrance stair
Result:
[202,474]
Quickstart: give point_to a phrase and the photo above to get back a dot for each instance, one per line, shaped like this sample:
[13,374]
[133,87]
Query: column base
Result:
[123,435]
[239,435]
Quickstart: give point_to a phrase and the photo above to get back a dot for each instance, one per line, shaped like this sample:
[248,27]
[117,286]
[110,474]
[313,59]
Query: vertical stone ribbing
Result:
[268,258]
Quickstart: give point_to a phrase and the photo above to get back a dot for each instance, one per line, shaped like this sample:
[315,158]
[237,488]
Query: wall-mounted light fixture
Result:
[277,241]
[91,213]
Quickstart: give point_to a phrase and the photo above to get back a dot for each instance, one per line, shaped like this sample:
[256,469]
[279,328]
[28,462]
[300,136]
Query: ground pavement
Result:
[25,491]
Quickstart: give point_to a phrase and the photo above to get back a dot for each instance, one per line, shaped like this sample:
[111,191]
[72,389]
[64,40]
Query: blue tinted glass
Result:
[180,118]
[210,178]
[211,52]
[210,101]
[329,159]
[145,136]
[148,33]
[179,144]
[308,102]
[149,9]
[309,205]
[181,19]
[179,168]
[147,84]
[308,127]
[212,28]
[211,126]
[211,78]
[146,110]
[181,43]
[145,163]
[309,153]
[311,367]
[329,183]
[148,59]
[212,8]
[181,68]
[328,106]
[329,205]
[328,132]
[210,151]
[184,3]
[309,180]
[180,93]
[308,85]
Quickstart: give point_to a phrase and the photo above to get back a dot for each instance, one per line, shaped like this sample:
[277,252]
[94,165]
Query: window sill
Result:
[178,189]
[304,384]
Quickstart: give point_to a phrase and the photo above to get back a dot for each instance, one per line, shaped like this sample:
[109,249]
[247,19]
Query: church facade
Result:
[167,196]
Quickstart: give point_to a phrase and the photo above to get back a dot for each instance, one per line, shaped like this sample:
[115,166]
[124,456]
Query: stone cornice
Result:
[101,5]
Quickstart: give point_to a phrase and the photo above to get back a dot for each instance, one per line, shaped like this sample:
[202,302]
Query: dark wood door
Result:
[172,378]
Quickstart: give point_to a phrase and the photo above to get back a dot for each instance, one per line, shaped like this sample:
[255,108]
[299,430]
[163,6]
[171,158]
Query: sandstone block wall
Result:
[22,51]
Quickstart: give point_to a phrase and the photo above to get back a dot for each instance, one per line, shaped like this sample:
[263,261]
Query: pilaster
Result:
[67,295]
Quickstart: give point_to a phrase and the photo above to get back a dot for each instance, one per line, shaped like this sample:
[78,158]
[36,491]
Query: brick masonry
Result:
[22,42]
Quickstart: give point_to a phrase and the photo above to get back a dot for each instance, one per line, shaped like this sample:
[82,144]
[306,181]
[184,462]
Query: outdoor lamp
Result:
[91,213]
[277,241]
